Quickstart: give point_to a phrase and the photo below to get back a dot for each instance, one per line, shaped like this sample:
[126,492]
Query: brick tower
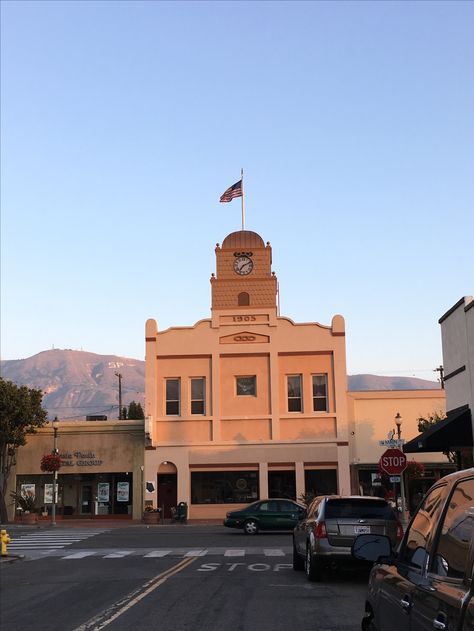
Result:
[244,278]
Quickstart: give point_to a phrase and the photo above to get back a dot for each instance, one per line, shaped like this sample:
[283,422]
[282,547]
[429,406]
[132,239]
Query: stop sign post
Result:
[393,462]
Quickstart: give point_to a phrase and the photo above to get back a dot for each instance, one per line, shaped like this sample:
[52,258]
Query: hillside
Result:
[78,383]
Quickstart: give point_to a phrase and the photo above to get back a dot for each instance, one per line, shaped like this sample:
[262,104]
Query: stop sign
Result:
[393,462]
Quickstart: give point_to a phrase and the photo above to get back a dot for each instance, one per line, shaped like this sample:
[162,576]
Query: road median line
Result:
[110,614]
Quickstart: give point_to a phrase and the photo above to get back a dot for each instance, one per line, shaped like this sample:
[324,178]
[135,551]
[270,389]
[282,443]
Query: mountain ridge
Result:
[81,383]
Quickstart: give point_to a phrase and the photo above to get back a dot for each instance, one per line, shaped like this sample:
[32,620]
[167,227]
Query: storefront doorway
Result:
[167,492]
[86,499]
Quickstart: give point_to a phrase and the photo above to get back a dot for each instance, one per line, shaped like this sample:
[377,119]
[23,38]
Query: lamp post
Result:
[55,473]
[398,423]
[117,374]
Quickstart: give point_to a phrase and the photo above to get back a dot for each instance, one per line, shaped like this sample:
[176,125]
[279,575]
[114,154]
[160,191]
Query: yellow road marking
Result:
[112,613]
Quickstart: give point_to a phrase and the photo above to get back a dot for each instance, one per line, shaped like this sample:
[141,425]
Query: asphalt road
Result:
[173,578]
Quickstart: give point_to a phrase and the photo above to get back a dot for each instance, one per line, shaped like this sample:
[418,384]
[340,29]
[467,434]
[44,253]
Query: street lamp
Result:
[55,474]
[119,375]
[398,423]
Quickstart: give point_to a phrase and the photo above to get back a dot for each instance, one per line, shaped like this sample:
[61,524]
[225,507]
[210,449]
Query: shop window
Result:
[282,484]
[172,397]
[246,386]
[320,482]
[224,487]
[320,393]
[243,299]
[198,396]
[295,399]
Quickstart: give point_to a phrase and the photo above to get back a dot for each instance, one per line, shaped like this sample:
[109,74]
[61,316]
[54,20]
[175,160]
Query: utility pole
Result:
[117,374]
[440,369]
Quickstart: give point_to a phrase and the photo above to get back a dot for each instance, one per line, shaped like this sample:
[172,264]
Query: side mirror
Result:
[371,547]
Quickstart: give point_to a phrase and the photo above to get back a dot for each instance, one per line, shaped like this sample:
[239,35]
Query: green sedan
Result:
[274,514]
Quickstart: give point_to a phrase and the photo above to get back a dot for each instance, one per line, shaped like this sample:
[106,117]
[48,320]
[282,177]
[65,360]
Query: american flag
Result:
[234,191]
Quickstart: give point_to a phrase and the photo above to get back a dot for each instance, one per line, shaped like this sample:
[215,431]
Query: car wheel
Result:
[312,566]
[250,527]
[368,622]
[298,562]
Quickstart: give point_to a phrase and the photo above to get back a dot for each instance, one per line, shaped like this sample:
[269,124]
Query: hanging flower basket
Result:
[415,469]
[51,463]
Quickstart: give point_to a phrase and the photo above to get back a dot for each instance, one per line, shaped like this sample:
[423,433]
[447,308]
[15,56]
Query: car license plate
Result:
[362,530]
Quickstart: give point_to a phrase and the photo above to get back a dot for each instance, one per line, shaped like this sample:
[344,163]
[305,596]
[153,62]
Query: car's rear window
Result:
[362,509]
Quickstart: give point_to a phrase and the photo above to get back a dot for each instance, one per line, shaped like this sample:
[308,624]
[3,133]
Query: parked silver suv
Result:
[325,536]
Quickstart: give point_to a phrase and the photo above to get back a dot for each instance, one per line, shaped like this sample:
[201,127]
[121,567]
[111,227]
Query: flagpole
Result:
[243,212]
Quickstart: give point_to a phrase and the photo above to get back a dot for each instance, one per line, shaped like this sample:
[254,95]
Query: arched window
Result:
[243,299]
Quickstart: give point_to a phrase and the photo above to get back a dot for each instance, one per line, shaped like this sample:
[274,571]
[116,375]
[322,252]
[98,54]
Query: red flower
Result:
[50,462]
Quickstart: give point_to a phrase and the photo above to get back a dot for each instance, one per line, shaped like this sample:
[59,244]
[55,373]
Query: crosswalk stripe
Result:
[118,554]
[196,553]
[234,553]
[157,553]
[78,555]
[272,552]
[52,540]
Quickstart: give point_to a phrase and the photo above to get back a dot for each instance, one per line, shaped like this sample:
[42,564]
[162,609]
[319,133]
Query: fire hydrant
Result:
[5,538]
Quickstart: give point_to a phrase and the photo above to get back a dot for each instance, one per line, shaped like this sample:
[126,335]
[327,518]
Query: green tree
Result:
[429,421]
[21,413]
[135,411]
[124,413]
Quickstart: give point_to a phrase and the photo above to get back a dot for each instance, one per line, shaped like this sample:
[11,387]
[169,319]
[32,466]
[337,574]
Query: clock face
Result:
[243,265]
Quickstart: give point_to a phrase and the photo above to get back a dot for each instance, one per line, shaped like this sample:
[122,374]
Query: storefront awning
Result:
[451,434]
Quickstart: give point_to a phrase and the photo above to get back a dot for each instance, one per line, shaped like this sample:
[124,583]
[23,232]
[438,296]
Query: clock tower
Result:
[244,278]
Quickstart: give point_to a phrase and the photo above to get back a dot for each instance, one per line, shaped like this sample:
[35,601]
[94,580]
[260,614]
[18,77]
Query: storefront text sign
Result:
[79,459]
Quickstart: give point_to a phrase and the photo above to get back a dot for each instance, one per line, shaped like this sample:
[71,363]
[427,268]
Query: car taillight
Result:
[320,530]
[399,532]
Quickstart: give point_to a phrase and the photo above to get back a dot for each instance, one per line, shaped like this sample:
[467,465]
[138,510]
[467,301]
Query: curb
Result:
[11,558]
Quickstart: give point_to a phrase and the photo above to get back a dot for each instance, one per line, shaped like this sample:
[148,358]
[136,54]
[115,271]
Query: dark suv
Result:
[428,583]
[325,536]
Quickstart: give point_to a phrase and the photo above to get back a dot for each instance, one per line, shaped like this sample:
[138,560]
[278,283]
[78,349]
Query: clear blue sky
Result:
[123,122]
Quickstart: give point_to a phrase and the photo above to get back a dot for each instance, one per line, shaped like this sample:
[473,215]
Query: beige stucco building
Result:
[101,474]
[372,419]
[246,403]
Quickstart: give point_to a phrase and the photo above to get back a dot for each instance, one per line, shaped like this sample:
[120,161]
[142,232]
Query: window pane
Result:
[197,407]
[320,405]
[224,487]
[416,550]
[451,557]
[197,388]
[294,405]
[246,386]
[282,484]
[172,408]
[294,386]
[320,401]
[172,389]
[359,509]
[319,385]
[320,481]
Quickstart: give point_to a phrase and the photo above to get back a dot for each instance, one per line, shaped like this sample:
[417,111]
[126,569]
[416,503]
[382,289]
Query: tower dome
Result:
[243,239]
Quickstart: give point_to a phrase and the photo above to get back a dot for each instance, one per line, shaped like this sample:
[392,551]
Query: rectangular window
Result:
[224,487]
[172,397]
[295,399]
[198,396]
[246,386]
[320,393]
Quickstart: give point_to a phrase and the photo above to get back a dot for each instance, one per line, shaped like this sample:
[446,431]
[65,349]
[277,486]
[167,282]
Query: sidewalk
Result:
[103,523]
